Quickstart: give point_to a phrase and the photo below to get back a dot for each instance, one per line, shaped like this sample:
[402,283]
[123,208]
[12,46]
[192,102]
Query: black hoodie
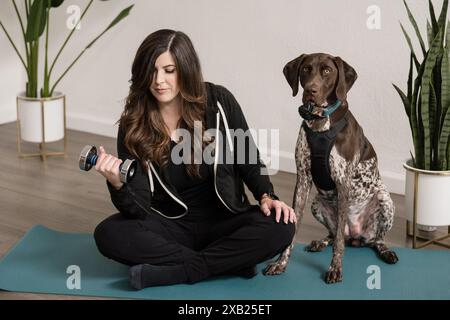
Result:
[147,189]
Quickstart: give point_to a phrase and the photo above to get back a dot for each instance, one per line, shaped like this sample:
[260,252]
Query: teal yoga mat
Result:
[47,261]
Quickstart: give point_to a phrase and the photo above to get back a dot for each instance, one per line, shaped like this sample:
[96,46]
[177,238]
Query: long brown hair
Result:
[145,135]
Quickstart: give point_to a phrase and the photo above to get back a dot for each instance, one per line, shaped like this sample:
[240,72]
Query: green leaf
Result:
[429,33]
[36,21]
[416,120]
[410,76]
[448,155]
[403,97]
[420,154]
[445,76]
[416,28]
[445,100]
[125,12]
[447,42]
[405,101]
[444,139]
[38,18]
[413,160]
[425,96]
[56,3]
[434,23]
[443,17]
[434,129]
[408,40]
[437,83]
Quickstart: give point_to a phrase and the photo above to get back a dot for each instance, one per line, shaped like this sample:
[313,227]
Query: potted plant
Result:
[427,105]
[41,113]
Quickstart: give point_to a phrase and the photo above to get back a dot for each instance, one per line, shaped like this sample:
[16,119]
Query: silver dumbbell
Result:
[88,159]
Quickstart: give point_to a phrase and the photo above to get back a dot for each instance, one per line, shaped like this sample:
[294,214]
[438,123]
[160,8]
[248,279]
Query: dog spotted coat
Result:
[359,211]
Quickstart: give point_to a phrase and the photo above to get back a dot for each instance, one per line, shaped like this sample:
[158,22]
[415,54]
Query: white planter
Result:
[432,196]
[30,117]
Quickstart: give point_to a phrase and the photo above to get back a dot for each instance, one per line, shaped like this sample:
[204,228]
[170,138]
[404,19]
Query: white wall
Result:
[244,45]
[12,72]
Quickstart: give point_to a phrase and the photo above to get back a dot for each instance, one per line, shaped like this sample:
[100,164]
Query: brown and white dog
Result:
[356,207]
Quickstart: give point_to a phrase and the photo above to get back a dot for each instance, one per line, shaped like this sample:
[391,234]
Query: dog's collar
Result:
[305,110]
[330,109]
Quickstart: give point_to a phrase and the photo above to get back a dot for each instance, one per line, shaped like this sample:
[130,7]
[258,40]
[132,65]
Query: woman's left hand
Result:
[267,204]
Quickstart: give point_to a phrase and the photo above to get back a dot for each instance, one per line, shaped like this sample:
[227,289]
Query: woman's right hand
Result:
[108,166]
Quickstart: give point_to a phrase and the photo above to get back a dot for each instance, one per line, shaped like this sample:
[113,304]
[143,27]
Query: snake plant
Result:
[427,100]
[33,25]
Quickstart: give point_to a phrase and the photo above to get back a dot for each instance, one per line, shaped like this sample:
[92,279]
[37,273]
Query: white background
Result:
[243,45]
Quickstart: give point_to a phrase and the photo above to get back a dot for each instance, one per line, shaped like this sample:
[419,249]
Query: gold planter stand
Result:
[43,153]
[414,233]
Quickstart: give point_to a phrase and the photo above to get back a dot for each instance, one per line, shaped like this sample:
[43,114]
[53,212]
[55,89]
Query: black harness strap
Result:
[320,144]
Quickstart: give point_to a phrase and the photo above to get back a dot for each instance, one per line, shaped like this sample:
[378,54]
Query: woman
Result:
[184,222]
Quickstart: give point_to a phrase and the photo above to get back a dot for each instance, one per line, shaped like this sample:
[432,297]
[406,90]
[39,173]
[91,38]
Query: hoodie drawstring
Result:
[227,129]
[150,178]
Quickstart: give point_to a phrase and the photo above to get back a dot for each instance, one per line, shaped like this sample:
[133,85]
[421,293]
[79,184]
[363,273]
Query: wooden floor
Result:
[58,195]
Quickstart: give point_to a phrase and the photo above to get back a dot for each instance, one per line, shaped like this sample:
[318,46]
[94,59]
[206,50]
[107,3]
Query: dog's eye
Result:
[326,71]
[306,69]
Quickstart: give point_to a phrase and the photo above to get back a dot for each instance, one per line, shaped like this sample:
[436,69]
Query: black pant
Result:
[223,243]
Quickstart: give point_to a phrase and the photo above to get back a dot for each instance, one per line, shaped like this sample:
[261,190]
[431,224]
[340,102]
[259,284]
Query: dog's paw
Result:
[316,246]
[389,257]
[274,268]
[333,275]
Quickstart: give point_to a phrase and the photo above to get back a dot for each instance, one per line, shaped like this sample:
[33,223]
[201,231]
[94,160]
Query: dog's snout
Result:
[311,90]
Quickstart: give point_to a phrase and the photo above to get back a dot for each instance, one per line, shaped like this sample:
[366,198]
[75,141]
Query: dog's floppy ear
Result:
[292,71]
[347,76]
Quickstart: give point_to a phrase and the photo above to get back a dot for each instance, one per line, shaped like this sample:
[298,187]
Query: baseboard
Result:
[82,123]
[394,181]
[8,118]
